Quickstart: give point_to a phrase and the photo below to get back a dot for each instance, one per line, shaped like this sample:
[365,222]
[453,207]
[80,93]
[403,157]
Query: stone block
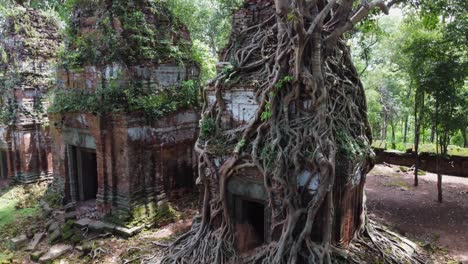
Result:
[48,223]
[69,207]
[55,236]
[53,227]
[36,255]
[18,242]
[55,252]
[82,223]
[128,232]
[70,216]
[101,227]
[35,241]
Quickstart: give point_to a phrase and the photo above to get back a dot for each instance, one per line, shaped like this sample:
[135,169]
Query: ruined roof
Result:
[131,32]
[28,33]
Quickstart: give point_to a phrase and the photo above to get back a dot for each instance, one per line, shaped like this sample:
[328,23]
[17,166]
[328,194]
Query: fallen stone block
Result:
[53,227]
[48,223]
[85,248]
[35,241]
[128,232]
[82,223]
[55,236]
[36,255]
[55,252]
[18,242]
[69,207]
[70,216]
[101,227]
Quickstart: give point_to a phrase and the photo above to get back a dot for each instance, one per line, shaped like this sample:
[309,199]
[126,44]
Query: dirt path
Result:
[415,212]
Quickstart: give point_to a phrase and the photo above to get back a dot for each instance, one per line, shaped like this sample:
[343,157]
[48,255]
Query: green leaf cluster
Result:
[126,99]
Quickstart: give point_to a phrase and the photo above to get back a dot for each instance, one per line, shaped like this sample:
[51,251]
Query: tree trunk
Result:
[433,129]
[292,173]
[418,103]
[405,130]
[392,124]
[439,176]
[465,137]
[384,127]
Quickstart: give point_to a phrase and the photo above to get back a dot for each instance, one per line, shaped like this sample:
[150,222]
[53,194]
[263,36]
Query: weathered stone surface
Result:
[165,143]
[85,248]
[55,236]
[35,241]
[55,252]
[36,255]
[69,207]
[46,210]
[48,223]
[18,242]
[53,227]
[31,40]
[30,232]
[101,227]
[128,232]
[70,216]
[82,222]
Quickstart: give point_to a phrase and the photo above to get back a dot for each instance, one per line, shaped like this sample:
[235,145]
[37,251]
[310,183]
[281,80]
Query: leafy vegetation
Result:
[130,32]
[19,207]
[207,128]
[126,99]
[415,75]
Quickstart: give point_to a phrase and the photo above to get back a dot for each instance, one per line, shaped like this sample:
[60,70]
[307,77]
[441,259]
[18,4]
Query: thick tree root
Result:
[374,244]
[377,244]
[311,118]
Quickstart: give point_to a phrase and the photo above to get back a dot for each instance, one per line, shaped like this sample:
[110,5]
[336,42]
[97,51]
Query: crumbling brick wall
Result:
[29,44]
[136,153]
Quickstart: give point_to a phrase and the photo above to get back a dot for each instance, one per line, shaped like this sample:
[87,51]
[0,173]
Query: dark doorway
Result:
[84,171]
[3,165]
[250,223]
[254,214]
[183,175]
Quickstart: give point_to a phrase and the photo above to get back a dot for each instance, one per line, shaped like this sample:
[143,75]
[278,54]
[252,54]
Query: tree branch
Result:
[360,15]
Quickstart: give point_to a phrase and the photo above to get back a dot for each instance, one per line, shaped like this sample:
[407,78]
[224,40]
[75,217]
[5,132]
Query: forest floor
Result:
[440,228]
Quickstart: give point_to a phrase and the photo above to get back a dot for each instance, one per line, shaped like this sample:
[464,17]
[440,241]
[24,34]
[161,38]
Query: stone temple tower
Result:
[124,116]
[29,44]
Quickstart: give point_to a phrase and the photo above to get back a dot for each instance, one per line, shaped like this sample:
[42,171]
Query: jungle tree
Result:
[294,56]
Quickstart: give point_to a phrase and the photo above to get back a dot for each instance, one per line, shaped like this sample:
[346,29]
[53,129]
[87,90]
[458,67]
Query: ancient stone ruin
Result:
[29,42]
[284,147]
[124,118]
[250,205]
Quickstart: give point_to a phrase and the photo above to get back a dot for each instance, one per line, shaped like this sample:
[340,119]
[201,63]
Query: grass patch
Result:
[423,148]
[404,169]
[398,183]
[19,208]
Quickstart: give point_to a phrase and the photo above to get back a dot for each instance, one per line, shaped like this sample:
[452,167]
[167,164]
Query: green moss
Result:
[350,146]
[398,183]
[404,169]
[166,214]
